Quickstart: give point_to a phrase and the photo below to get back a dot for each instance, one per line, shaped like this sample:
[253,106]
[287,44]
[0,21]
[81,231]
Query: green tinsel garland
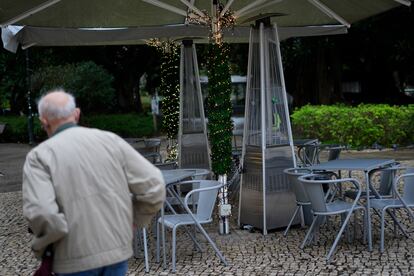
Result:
[170,88]
[219,108]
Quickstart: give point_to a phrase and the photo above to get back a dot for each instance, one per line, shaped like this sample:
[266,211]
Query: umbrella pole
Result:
[29,99]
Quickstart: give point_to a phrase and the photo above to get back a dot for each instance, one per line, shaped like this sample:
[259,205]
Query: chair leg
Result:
[395,225]
[302,217]
[338,237]
[382,230]
[210,241]
[158,243]
[355,225]
[291,220]
[365,226]
[348,237]
[174,230]
[309,232]
[135,241]
[394,218]
[144,237]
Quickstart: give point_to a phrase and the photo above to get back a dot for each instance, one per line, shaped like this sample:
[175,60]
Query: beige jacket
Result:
[77,189]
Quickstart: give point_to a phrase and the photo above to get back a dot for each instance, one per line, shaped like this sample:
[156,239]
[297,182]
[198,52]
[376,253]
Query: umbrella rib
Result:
[246,9]
[29,12]
[404,2]
[259,7]
[194,8]
[226,7]
[167,7]
[329,12]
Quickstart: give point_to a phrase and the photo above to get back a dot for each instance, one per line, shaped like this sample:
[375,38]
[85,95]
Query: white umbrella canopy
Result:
[107,22]
[137,13]
[29,36]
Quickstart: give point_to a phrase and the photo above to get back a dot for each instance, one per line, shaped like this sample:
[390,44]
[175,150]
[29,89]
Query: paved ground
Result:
[247,253]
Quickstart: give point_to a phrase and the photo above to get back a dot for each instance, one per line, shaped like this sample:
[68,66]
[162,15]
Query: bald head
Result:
[56,108]
[56,105]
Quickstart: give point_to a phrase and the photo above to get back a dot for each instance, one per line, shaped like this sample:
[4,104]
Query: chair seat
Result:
[181,219]
[338,207]
[391,202]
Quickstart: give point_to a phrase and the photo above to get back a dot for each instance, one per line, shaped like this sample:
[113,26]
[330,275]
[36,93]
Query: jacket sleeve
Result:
[46,221]
[145,183]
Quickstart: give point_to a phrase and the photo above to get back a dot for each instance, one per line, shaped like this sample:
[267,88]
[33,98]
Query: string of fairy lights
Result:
[219,87]
[170,87]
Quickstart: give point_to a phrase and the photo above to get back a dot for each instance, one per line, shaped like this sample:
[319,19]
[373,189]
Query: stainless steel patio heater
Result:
[193,148]
[266,200]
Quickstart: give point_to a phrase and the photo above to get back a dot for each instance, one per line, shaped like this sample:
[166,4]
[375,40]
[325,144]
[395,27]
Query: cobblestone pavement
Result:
[248,253]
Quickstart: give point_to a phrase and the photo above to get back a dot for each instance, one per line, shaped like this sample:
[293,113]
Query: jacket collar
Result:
[63,127]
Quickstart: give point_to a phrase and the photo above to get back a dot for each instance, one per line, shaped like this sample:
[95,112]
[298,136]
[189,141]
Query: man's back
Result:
[91,174]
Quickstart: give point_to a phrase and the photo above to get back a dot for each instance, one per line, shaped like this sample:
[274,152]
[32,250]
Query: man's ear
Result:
[77,114]
[44,122]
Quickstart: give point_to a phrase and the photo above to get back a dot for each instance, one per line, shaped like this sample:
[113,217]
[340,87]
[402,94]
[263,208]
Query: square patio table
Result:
[364,165]
[174,176]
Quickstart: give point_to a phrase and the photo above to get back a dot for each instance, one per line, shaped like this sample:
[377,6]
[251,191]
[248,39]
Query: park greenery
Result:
[89,83]
[360,126]
[126,125]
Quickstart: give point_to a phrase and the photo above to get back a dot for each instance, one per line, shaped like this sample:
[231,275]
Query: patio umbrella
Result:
[93,22]
[138,13]
[29,36]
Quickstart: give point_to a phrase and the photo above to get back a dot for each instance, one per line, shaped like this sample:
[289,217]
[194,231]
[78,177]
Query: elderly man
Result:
[77,188]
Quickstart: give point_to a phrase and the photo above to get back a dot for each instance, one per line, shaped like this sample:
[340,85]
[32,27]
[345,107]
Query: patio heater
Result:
[266,200]
[193,148]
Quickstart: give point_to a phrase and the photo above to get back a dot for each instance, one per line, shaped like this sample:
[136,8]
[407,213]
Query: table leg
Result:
[164,257]
[368,206]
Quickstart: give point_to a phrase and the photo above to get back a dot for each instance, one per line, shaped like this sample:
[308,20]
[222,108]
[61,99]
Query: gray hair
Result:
[51,110]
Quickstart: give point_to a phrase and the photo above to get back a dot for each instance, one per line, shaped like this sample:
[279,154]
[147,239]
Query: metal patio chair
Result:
[308,154]
[398,201]
[207,191]
[321,208]
[333,151]
[385,184]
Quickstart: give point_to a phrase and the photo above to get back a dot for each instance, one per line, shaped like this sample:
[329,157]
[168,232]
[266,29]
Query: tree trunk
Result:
[128,93]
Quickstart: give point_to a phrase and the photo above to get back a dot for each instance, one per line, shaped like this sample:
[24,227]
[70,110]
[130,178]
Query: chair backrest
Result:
[409,185]
[153,143]
[206,199]
[386,179]
[296,185]
[167,165]
[314,191]
[334,152]
[309,154]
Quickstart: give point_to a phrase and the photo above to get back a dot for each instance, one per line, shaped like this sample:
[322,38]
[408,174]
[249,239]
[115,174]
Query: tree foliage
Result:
[90,84]
[219,108]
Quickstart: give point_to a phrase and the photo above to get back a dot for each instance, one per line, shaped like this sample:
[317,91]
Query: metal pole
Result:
[282,79]
[246,116]
[29,99]
[263,121]
[180,125]
[225,207]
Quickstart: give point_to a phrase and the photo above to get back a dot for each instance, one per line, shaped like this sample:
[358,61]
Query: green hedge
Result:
[358,126]
[125,125]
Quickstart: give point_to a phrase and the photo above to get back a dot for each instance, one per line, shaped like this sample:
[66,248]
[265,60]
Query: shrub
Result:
[358,126]
[90,84]
[125,125]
